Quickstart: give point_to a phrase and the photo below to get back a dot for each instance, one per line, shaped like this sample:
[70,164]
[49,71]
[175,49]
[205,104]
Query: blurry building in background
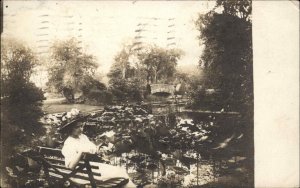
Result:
[155,31]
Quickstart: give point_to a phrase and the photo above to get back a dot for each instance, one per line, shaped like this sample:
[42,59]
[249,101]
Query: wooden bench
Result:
[84,174]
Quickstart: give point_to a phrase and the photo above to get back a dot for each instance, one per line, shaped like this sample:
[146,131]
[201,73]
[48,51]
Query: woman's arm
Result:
[71,153]
[89,147]
[75,160]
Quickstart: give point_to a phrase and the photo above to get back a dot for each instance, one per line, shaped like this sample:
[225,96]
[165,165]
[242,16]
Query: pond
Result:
[166,147]
[58,108]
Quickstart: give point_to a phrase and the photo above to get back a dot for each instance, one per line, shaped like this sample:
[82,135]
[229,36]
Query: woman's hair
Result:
[67,131]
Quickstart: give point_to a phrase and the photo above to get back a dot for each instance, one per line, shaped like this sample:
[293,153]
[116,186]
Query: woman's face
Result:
[76,130]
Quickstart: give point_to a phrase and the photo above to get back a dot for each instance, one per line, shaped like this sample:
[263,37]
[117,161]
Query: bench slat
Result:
[55,163]
[62,162]
[51,152]
[61,167]
[54,160]
[77,175]
[51,173]
[85,180]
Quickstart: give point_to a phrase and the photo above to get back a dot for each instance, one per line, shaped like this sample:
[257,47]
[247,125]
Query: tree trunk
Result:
[69,95]
[148,78]
[155,77]
[124,71]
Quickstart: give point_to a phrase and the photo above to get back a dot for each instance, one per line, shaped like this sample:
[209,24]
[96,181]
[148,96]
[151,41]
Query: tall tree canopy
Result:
[71,68]
[21,100]
[125,82]
[241,9]
[122,67]
[159,63]
[228,64]
[227,56]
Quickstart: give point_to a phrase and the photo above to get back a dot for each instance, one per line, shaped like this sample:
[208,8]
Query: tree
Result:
[228,64]
[127,89]
[95,92]
[121,67]
[128,79]
[125,83]
[21,100]
[159,64]
[122,62]
[227,56]
[71,68]
[238,8]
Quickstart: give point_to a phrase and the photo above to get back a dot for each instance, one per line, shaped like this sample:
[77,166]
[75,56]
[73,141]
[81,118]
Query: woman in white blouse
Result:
[77,144]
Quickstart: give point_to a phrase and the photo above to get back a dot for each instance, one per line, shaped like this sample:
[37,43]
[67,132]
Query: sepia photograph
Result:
[133,94]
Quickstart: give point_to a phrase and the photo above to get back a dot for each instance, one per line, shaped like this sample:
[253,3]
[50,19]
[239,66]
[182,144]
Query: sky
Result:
[103,26]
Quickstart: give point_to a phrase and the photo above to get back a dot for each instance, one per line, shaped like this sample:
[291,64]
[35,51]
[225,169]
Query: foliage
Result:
[21,100]
[127,89]
[131,72]
[71,69]
[149,143]
[227,60]
[143,140]
[182,77]
[170,180]
[125,83]
[241,9]
[122,68]
[197,92]
[227,56]
[159,63]
[99,97]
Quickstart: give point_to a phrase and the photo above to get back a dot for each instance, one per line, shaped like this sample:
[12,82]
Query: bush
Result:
[71,68]
[21,100]
[124,90]
[95,92]
[99,97]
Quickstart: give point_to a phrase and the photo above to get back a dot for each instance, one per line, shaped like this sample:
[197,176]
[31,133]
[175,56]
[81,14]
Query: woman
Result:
[77,144]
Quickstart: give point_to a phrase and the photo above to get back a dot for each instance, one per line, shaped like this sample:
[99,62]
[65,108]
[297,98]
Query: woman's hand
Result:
[83,155]
[99,149]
